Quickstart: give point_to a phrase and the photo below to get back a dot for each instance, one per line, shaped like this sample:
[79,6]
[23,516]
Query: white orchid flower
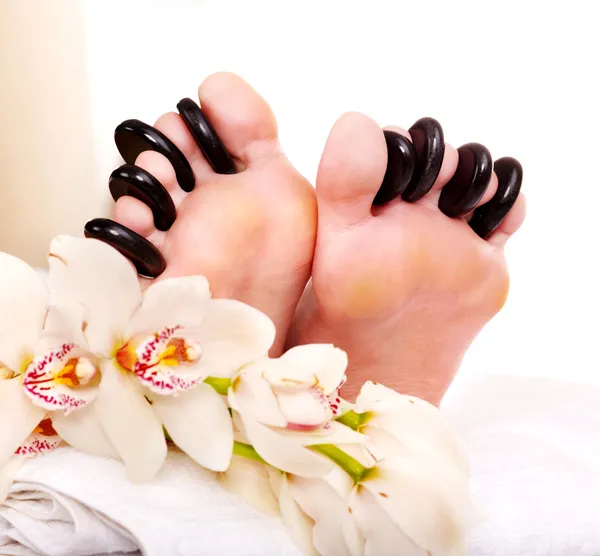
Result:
[396,423]
[418,489]
[405,492]
[289,404]
[157,349]
[316,512]
[43,375]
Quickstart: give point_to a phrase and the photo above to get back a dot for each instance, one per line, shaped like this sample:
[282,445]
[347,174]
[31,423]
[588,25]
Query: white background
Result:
[519,77]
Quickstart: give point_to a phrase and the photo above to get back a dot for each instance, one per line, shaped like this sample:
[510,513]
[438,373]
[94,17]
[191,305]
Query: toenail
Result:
[134,137]
[488,217]
[206,137]
[400,166]
[136,182]
[428,141]
[145,257]
[467,187]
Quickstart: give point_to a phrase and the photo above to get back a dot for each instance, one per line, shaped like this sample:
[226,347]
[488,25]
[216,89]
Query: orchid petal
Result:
[172,302]
[285,453]
[352,535]
[382,536]
[23,304]
[130,423]
[416,424]
[305,408]
[334,433]
[198,422]
[92,273]
[328,510]
[81,429]
[19,417]
[251,395]
[427,507]
[249,480]
[7,475]
[299,525]
[323,361]
[340,482]
[232,334]
[63,325]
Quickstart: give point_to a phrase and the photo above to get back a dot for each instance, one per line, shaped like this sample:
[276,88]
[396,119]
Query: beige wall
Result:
[46,155]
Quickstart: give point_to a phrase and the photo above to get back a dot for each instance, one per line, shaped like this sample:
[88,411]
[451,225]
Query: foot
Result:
[252,234]
[402,287]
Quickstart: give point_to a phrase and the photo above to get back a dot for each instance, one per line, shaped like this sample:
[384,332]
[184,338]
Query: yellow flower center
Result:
[142,354]
[78,371]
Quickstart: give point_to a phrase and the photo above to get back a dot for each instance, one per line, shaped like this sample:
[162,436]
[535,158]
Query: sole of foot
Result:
[398,284]
[252,233]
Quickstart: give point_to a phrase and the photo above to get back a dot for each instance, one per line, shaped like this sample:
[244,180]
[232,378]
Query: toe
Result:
[135,215]
[447,170]
[513,221]
[172,125]
[490,191]
[488,217]
[469,183]
[351,170]
[428,141]
[157,165]
[241,117]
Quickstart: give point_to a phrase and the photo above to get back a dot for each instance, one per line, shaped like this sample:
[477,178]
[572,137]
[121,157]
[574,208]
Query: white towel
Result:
[70,504]
[534,447]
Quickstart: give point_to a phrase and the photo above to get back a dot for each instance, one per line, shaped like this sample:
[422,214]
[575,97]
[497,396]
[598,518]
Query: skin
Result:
[402,288]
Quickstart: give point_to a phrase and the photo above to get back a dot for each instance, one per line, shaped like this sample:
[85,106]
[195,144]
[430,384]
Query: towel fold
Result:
[535,455]
[71,504]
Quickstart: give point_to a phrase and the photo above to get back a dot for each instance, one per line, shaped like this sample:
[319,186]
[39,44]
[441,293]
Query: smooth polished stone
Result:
[134,137]
[488,217]
[139,183]
[428,141]
[468,184]
[400,166]
[145,257]
[206,137]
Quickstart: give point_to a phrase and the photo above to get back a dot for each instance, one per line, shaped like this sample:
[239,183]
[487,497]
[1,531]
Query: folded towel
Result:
[535,455]
[71,504]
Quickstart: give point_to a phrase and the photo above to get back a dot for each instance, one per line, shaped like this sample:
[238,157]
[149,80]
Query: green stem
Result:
[352,419]
[221,385]
[246,451]
[354,468]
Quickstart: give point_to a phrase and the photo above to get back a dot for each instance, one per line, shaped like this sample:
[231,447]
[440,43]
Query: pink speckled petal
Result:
[37,444]
[41,380]
[160,378]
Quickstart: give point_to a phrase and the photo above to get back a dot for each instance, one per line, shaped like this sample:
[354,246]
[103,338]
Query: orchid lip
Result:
[61,379]
[43,439]
[162,361]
